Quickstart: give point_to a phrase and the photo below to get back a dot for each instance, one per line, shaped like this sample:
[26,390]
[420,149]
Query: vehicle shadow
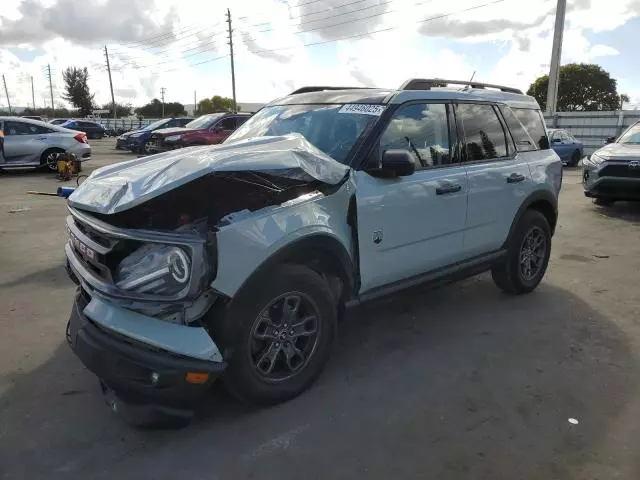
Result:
[456,382]
[52,277]
[629,211]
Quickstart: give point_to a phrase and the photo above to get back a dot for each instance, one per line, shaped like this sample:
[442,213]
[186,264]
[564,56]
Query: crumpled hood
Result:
[619,151]
[124,185]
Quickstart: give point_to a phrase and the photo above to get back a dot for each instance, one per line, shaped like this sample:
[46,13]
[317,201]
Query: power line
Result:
[173,44]
[170,34]
[359,35]
[335,7]
[138,67]
[352,20]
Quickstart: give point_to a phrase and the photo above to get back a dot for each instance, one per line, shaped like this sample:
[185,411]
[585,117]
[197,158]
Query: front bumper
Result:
[597,184]
[137,375]
[122,143]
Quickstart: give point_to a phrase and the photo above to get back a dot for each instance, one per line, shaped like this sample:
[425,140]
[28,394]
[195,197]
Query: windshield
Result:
[155,125]
[204,121]
[334,129]
[631,136]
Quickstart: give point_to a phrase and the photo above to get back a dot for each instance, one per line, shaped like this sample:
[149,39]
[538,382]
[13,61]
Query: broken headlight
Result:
[155,269]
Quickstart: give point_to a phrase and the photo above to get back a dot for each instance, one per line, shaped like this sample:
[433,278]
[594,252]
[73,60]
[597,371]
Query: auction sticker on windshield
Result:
[362,108]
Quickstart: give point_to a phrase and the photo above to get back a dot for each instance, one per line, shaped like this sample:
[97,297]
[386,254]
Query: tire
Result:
[603,202]
[575,159]
[266,365]
[510,275]
[145,149]
[48,162]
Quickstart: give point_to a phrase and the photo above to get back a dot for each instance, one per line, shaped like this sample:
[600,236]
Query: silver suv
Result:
[237,260]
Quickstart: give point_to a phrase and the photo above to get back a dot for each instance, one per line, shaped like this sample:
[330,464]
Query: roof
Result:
[393,96]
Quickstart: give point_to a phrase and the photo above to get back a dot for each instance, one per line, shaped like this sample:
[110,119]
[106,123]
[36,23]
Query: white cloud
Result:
[270,38]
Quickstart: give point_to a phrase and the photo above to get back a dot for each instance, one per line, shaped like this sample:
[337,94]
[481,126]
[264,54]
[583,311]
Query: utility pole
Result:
[195,105]
[33,95]
[162,90]
[6,92]
[554,70]
[233,72]
[53,108]
[113,100]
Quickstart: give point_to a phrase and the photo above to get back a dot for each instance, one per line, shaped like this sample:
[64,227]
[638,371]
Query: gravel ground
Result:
[458,382]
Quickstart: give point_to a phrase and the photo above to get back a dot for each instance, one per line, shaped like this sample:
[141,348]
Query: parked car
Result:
[30,143]
[92,129]
[58,121]
[205,130]
[138,140]
[236,260]
[613,172]
[33,117]
[566,146]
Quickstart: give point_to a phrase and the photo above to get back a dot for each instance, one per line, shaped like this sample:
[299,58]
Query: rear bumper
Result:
[134,373]
[619,188]
[81,150]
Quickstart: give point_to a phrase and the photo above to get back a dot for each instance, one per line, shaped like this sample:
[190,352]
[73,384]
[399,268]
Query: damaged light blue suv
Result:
[237,260]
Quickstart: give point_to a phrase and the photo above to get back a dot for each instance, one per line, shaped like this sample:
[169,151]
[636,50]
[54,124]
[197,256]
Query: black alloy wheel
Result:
[284,337]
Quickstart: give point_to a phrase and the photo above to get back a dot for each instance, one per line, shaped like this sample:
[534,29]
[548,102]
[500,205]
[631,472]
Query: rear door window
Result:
[534,123]
[19,128]
[484,136]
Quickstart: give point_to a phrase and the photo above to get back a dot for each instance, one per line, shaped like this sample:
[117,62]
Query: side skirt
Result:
[433,278]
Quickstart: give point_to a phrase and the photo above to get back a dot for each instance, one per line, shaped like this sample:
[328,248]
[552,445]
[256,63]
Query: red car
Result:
[205,130]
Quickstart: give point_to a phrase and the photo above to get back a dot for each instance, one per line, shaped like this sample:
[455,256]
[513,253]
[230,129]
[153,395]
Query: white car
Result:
[30,143]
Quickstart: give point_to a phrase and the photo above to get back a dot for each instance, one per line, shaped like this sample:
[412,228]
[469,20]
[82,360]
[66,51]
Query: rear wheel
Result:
[277,335]
[527,256]
[49,159]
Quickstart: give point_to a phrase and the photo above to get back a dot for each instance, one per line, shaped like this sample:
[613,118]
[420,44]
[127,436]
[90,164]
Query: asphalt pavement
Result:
[457,382]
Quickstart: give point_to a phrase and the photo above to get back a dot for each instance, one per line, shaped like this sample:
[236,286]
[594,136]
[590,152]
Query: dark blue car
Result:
[566,146]
[137,140]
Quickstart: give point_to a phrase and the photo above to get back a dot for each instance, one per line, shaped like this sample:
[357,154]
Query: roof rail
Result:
[320,89]
[429,83]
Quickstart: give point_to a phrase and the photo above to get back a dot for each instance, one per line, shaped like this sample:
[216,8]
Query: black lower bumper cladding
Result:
[620,188]
[146,386]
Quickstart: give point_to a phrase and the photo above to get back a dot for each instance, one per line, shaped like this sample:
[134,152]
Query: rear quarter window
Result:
[533,122]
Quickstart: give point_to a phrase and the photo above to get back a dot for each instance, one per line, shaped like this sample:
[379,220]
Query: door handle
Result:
[515,178]
[42,138]
[445,188]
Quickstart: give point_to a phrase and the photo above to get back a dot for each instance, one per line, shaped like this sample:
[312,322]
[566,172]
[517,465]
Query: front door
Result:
[413,224]
[499,176]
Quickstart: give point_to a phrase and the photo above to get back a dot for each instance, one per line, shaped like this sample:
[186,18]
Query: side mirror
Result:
[610,140]
[395,163]
[556,140]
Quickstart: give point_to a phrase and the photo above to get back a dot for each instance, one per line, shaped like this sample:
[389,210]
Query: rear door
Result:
[410,225]
[23,142]
[499,178]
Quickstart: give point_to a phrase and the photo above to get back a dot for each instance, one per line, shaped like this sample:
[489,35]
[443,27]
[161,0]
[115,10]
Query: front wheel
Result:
[603,202]
[277,335]
[528,251]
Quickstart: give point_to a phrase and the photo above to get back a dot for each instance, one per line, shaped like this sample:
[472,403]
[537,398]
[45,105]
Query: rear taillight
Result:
[81,137]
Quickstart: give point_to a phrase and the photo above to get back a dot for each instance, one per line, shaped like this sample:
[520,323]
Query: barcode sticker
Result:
[362,108]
